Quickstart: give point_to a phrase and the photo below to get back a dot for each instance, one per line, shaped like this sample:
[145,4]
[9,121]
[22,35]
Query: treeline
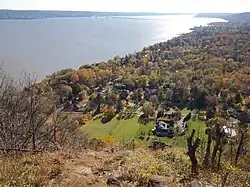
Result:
[208,67]
[39,14]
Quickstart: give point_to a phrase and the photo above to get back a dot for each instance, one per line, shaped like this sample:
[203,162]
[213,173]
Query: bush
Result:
[81,120]
[109,113]
[141,165]
[202,115]
[108,140]
[247,102]
[31,170]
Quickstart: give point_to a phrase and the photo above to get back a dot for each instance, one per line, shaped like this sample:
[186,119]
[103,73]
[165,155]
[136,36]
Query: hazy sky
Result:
[193,6]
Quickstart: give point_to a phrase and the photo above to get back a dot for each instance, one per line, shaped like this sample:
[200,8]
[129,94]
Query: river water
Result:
[48,45]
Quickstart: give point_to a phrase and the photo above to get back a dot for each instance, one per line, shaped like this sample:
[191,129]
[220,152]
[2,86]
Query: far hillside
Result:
[214,15]
[41,14]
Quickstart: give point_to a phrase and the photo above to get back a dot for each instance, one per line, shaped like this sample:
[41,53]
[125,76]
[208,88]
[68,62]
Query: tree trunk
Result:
[208,150]
[224,180]
[231,151]
[219,159]
[55,126]
[33,138]
[194,163]
[216,148]
[32,122]
[239,148]
[191,151]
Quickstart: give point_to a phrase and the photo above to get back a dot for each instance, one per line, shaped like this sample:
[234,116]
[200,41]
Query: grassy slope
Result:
[72,168]
[125,129]
[199,126]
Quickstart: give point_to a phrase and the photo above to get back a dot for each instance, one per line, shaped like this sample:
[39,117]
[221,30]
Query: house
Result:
[230,132]
[234,121]
[130,104]
[242,116]
[170,125]
[120,86]
[164,128]
[158,145]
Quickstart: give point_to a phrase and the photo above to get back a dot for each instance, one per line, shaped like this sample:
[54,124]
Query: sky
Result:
[178,6]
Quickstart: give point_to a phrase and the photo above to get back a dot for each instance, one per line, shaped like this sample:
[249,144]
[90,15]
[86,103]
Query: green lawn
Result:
[185,111]
[199,126]
[125,129]
[115,128]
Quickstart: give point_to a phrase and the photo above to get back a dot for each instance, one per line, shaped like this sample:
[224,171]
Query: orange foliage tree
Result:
[74,77]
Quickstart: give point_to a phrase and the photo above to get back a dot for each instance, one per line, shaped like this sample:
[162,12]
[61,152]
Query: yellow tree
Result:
[74,77]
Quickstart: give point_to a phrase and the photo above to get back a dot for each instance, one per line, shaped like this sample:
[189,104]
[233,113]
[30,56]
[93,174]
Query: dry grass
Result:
[142,164]
[32,170]
[93,168]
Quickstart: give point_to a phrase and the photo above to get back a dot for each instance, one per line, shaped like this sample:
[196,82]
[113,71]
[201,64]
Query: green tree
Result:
[148,109]
[155,101]
[238,98]
[243,128]
[169,94]
[129,83]
[65,92]
[76,88]
[119,105]
[143,81]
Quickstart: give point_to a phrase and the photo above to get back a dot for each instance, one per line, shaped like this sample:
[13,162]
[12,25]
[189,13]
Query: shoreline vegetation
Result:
[93,125]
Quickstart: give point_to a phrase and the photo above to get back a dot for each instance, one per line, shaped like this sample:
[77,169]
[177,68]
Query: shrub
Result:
[83,119]
[109,113]
[247,102]
[31,170]
[202,115]
[141,165]
[108,140]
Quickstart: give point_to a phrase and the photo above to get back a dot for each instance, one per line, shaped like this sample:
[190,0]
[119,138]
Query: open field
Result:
[126,129]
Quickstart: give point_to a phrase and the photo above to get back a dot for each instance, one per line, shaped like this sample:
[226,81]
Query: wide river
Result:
[48,45]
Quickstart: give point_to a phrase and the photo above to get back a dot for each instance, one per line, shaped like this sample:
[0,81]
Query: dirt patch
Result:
[90,168]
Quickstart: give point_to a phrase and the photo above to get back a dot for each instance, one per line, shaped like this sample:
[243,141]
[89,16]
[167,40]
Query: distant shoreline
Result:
[92,17]
[43,14]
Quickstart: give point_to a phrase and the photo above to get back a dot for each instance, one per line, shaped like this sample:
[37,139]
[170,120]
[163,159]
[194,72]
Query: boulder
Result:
[158,145]
[158,181]
[113,181]
[196,184]
[199,184]
[84,170]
